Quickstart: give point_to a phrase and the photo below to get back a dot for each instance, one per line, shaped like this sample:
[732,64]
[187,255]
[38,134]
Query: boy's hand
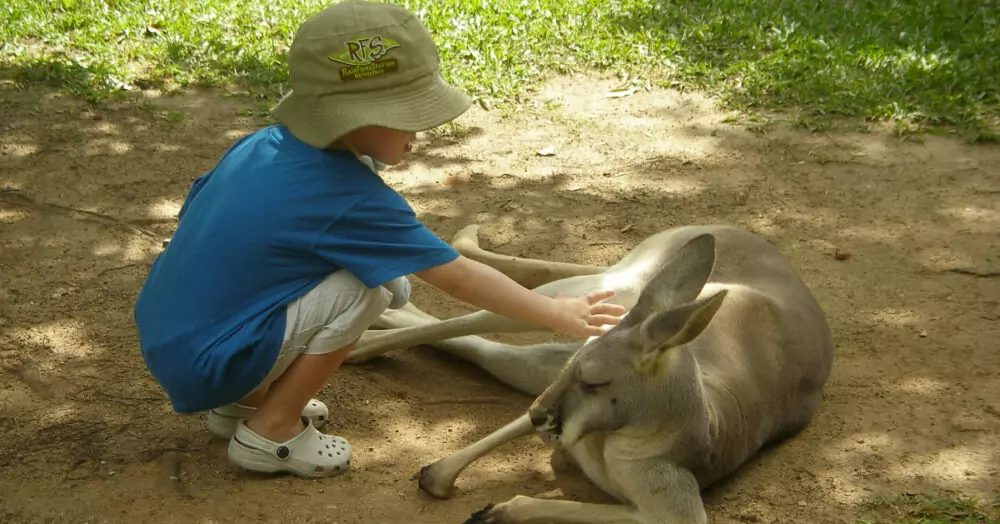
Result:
[485,287]
[585,316]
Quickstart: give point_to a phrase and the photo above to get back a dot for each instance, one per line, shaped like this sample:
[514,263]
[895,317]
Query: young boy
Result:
[292,246]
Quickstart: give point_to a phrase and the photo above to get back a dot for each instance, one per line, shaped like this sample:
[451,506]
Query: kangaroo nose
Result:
[538,417]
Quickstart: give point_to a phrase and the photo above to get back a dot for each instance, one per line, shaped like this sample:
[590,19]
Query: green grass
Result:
[915,62]
[929,509]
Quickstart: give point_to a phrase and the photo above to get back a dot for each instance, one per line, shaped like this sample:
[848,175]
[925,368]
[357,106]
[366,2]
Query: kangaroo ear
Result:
[675,327]
[680,281]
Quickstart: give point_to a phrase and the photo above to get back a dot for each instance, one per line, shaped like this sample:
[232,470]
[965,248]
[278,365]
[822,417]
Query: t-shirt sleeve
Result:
[200,182]
[379,238]
[192,193]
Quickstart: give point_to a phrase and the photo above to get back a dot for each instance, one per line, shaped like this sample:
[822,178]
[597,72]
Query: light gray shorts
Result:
[333,315]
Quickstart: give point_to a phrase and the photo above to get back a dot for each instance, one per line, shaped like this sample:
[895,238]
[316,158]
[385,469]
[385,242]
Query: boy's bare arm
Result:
[489,289]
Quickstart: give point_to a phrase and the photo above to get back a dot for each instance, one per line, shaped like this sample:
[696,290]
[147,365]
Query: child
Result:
[292,246]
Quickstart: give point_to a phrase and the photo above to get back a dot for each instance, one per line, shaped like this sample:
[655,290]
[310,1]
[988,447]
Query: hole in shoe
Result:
[290,457]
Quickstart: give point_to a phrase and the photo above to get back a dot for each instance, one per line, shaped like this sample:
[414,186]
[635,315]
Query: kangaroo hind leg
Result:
[529,272]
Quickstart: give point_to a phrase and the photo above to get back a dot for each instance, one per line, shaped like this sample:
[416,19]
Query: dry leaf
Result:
[622,93]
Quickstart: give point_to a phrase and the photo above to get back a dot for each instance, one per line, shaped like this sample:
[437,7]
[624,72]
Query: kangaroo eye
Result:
[590,388]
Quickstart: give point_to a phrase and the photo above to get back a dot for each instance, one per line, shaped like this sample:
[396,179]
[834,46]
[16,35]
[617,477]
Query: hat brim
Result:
[421,105]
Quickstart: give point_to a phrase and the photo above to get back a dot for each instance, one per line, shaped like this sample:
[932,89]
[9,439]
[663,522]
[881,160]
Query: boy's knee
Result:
[400,289]
[335,313]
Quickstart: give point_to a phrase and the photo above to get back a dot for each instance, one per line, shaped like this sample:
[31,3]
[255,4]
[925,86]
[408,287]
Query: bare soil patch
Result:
[899,240]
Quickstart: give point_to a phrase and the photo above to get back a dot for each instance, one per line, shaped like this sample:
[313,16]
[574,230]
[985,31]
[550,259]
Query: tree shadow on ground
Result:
[89,194]
[858,60]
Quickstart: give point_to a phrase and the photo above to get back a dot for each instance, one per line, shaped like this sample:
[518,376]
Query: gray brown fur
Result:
[724,350]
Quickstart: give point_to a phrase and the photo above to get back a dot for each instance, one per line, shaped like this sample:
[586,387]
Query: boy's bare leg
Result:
[279,416]
[255,399]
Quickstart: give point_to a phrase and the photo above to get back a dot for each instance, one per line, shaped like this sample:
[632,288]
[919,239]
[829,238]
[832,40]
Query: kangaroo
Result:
[723,350]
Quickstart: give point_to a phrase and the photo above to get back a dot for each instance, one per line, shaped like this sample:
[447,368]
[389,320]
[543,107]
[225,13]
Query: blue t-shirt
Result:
[265,226]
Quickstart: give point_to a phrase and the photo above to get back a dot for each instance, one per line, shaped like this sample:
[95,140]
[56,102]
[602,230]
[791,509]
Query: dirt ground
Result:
[890,235]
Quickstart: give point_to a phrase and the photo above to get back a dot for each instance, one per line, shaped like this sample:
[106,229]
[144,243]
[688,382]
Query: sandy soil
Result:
[888,233]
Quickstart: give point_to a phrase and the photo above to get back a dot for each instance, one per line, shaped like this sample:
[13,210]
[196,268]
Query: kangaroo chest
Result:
[588,455]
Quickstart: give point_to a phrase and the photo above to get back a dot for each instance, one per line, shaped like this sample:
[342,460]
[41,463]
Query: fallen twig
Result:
[972,273]
[13,196]
[97,396]
[117,268]
[153,454]
[479,400]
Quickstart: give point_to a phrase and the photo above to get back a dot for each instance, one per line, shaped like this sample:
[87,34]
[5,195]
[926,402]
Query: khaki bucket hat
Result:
[358,63]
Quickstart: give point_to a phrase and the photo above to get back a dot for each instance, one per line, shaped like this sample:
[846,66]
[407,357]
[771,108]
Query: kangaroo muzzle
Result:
[545,420]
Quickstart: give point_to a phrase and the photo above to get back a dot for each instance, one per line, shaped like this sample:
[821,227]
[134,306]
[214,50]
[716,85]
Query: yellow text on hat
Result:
[364,50]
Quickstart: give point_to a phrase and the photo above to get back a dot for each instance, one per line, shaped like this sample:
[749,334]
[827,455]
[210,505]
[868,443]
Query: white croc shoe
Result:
[222,421]
[308,454]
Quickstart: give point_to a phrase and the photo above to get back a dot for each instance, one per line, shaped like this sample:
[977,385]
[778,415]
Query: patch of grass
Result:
[929,509]
[931,63]
[927,64]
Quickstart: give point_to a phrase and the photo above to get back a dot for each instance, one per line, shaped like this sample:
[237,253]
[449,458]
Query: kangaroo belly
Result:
[588,454]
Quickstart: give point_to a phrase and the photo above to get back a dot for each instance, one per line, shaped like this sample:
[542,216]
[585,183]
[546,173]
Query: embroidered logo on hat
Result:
[363,58]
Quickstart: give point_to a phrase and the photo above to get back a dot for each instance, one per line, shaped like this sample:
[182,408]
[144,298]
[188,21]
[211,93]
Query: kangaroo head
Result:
[625,376]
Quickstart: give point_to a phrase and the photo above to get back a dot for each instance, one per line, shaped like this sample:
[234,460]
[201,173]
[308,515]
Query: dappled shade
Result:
[875,226]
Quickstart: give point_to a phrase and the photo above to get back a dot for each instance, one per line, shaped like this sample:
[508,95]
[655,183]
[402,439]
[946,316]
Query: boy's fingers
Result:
[607,309]
[599,320]
[596,331]
[598,296]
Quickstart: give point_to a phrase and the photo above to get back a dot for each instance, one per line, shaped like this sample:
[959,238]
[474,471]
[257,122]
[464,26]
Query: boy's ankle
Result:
[275,430]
